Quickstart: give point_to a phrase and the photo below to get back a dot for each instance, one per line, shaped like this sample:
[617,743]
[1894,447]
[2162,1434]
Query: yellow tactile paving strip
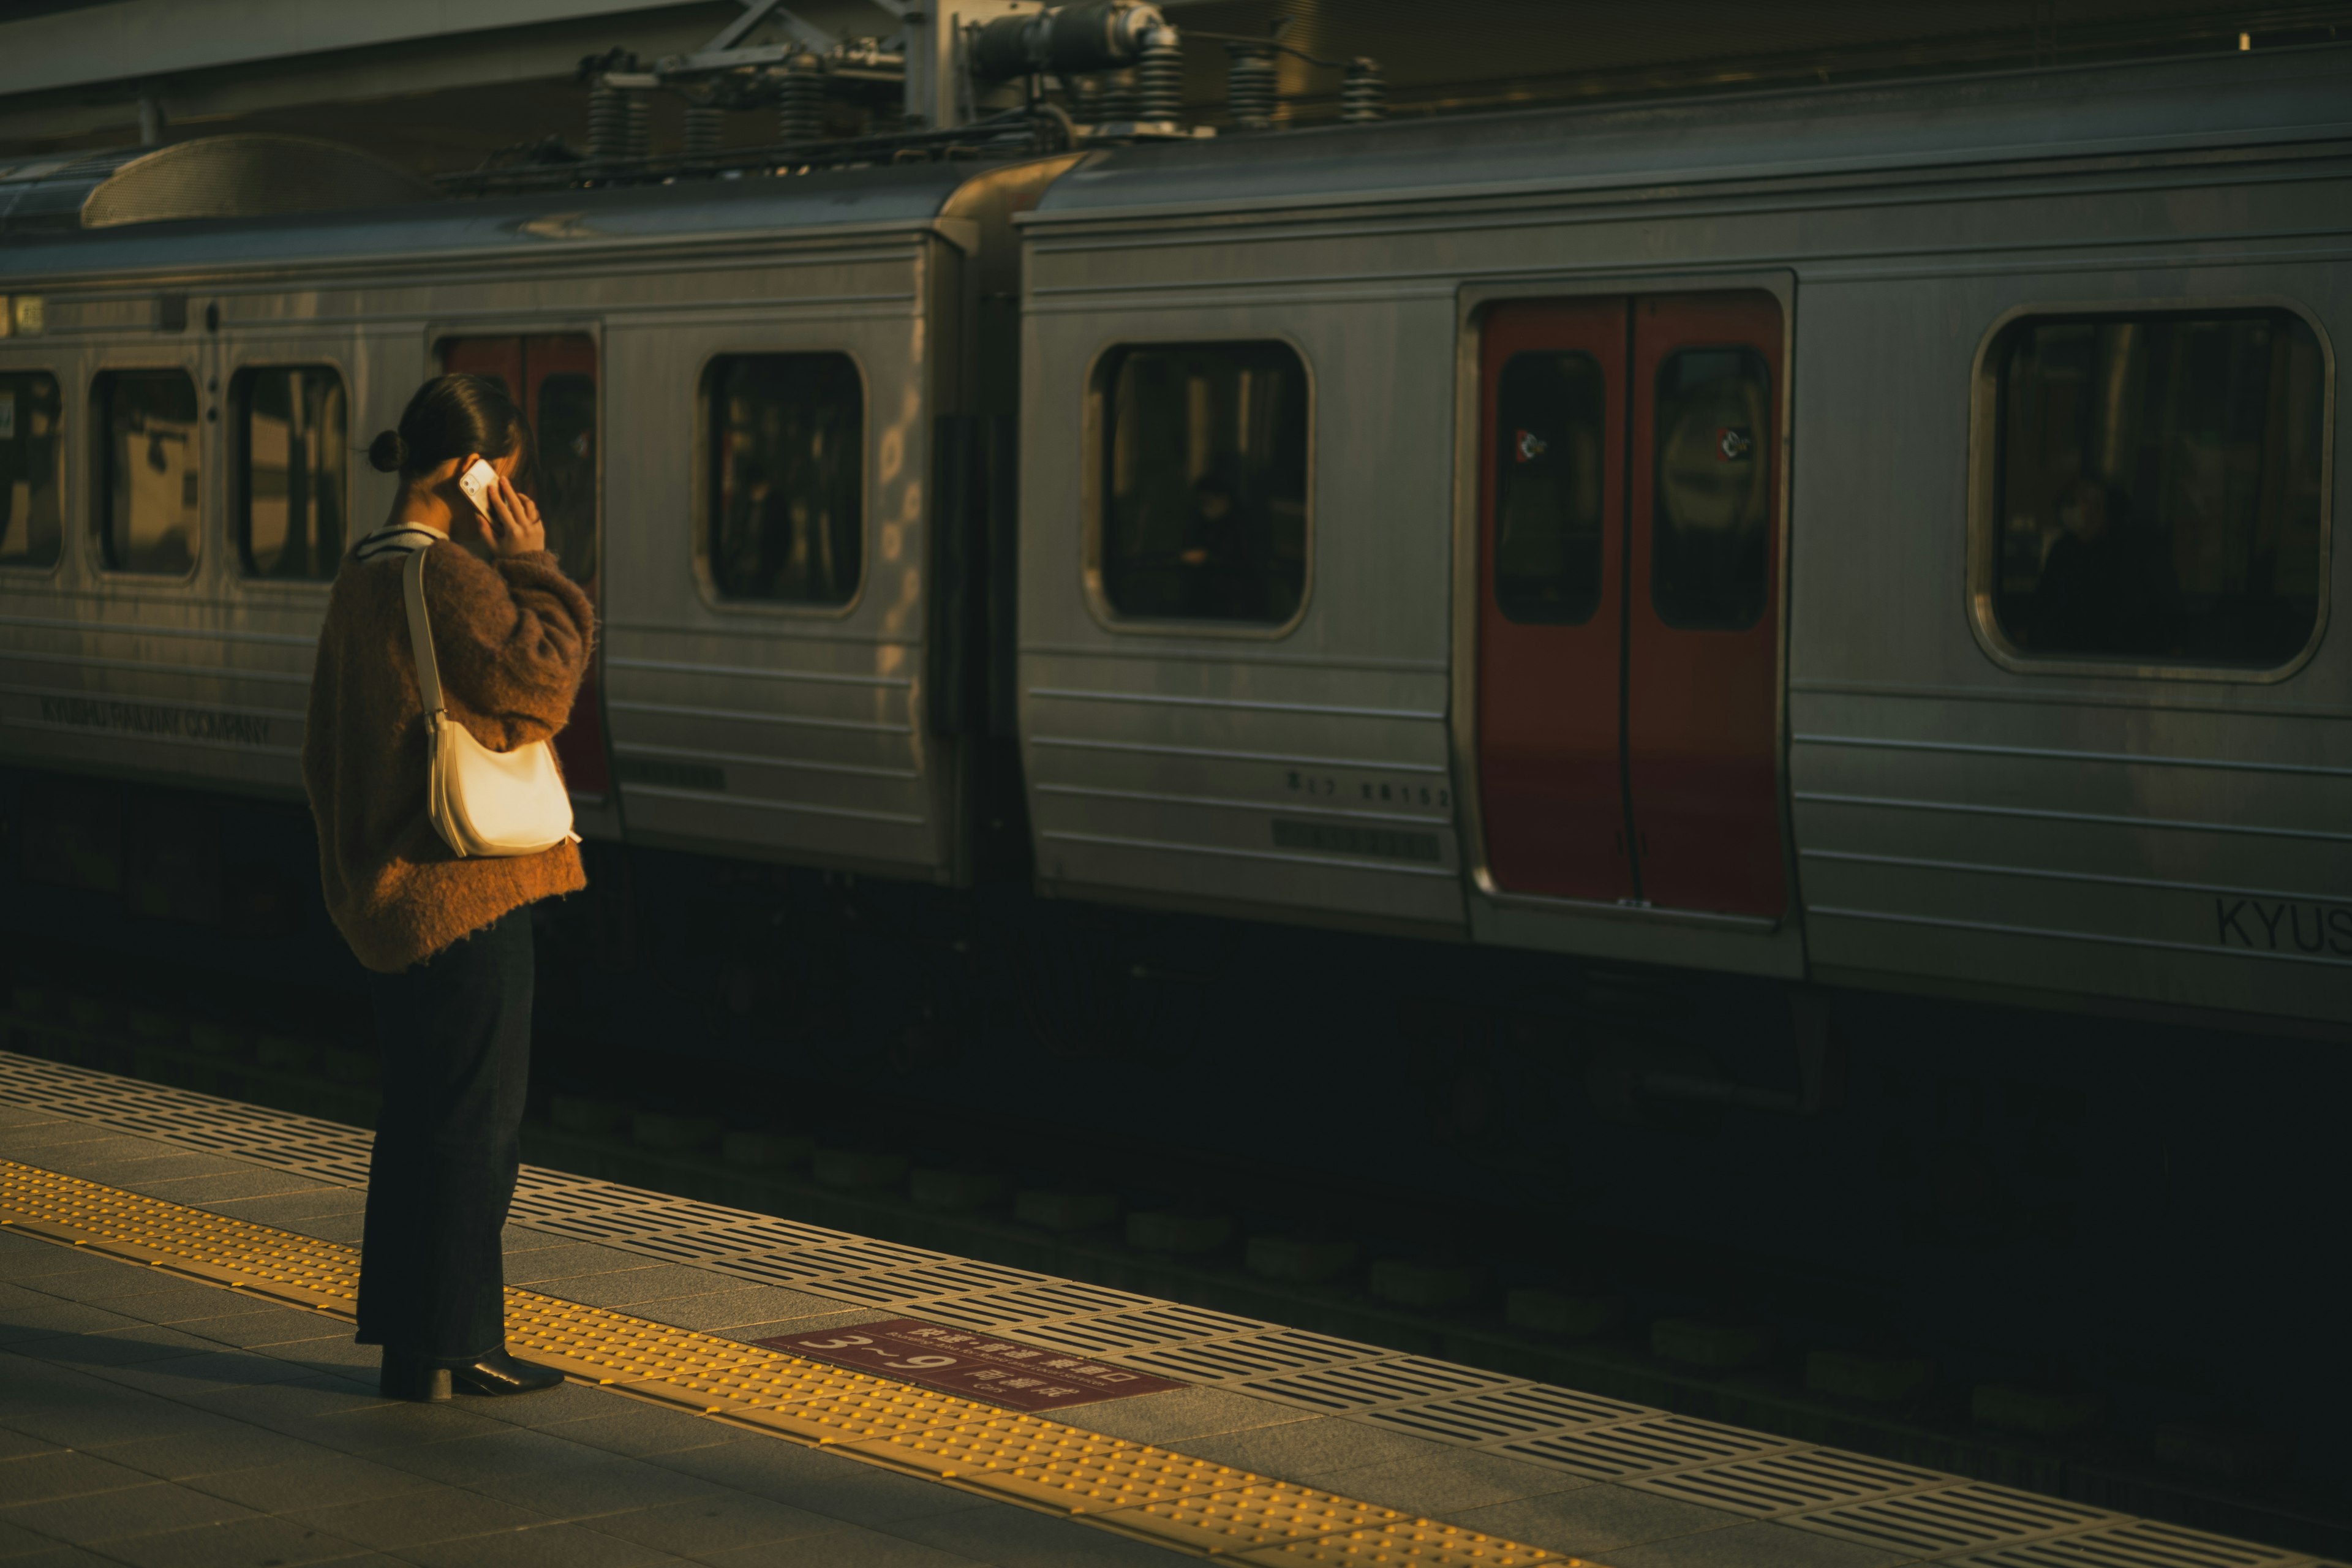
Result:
[1168,1499]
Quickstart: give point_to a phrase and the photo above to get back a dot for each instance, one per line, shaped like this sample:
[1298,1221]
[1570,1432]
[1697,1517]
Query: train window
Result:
[1205,482]
[566,480]
[293,470]
[1548,523]
[2157,481]
[150,471]
[32,525]
[1711,529]
[785,511]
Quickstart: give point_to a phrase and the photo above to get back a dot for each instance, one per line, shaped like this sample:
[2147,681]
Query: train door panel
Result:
[1629,549]
[1551,615]
[553,375]
[1702,610]
[499,358]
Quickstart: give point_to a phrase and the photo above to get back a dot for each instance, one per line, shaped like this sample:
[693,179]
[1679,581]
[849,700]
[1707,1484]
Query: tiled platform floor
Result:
[163,1424]
[150,1422]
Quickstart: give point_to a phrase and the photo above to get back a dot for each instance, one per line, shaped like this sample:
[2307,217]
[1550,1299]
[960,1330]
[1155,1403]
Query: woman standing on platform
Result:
[447,939]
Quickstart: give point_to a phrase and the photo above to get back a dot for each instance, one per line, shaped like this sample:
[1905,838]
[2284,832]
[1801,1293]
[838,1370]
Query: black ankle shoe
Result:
[498,1373]
[409,1377]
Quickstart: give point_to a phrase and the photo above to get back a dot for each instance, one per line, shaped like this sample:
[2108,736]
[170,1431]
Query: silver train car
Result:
[195,395]
[1875,536]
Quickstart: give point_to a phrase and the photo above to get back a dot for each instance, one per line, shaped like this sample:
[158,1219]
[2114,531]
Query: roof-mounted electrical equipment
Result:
[1067,42]
[958,79]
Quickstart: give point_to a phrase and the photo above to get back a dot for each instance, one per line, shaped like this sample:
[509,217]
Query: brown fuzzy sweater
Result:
[512,637]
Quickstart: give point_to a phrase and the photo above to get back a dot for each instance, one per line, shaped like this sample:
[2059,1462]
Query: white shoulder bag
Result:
[481,801]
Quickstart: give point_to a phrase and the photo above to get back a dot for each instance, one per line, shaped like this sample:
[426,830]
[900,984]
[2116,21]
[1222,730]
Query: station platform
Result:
[179,1388]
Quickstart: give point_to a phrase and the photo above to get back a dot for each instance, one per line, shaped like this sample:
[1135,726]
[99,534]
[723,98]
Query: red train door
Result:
[1630,601]
[554,376]
[1702,612]
[1551,611]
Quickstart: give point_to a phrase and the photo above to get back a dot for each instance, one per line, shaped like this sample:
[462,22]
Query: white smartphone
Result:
[478,482]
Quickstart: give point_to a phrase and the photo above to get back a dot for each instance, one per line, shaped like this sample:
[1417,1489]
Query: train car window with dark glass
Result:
[1205,482]
[565,484]
[292,465]
[1711,531]
[150,471]
[785,507]
[2157,486]
[32,517]
[1550,425]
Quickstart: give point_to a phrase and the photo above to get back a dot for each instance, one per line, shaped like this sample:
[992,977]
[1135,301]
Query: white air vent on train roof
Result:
[248,175]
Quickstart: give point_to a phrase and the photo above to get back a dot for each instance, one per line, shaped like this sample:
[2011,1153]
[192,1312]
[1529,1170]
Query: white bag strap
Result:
[420,629]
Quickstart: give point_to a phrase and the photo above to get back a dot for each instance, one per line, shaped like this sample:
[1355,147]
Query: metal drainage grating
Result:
[53,1079]
[1226,1361]
[350,1173]
[858,1256]
[778,1269]
[1159,1325]
[178,1117]
[541,1196]
[302,1154]
[683,1214]
[1509,1413]
[688,1215]
[1017,1296]
[2139,1543]
[336,1164]
[1645,1446]
[749,1235]
[1362,1385]
[715,1250]
[1788,1483]
[948,1277]
[1947,1521]
[612,1225]
[535,1205]
[540,1178]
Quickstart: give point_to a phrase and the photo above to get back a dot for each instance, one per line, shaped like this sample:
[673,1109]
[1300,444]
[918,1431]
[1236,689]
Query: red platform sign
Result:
[976,1365]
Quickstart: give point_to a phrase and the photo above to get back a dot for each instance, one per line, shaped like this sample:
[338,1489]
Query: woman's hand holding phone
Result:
[513,525]
[507,520]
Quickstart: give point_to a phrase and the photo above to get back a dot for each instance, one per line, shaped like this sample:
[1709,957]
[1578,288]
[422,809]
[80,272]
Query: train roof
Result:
[1884,128]
[900,195]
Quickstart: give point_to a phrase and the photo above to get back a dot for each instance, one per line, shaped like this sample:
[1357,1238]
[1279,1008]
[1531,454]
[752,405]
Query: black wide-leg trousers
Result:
[454,1032]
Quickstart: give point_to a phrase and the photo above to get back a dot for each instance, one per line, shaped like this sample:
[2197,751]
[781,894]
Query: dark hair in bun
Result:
[449,416]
